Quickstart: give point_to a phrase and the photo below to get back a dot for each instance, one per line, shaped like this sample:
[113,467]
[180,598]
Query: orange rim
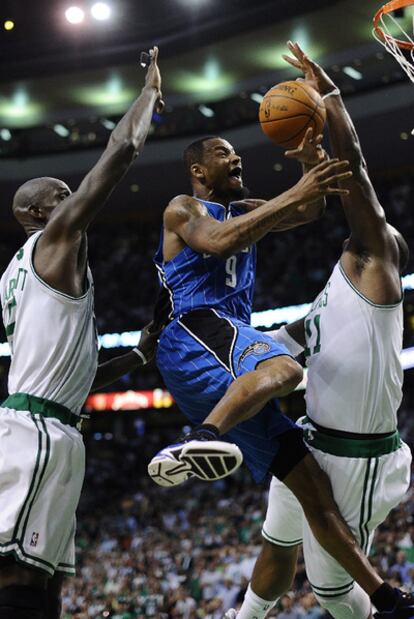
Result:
[384,10]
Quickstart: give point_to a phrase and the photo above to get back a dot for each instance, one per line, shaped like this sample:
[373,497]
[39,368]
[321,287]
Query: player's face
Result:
[222,168]
[54,195]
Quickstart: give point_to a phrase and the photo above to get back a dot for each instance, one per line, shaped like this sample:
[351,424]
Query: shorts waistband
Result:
[351,446]
[42,406]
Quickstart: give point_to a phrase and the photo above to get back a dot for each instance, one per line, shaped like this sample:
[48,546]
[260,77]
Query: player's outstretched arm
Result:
[126,141]
[187,218]
[309,153]
[110,371]
[363,211]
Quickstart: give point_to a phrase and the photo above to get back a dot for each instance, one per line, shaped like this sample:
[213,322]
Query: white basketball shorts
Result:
[365,490]
[42,466]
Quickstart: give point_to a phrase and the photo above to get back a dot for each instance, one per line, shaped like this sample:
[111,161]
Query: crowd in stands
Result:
[188,553]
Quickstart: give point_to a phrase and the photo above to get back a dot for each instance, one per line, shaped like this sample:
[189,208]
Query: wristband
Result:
[141,355]
[334,93]
[281,336]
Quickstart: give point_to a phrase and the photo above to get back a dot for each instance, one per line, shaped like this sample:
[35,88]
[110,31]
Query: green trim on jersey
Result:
[46,459]
[41,406]
[366,506]
[280,542]
[352,447]
[10,329]
[377,305]
[33,481]
[332,592]
[20,556]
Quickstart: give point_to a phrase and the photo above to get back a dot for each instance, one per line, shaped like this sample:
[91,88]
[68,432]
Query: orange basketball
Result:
[288,109]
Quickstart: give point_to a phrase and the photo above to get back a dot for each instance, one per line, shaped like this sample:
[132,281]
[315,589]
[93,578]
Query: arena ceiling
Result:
[52,71]
[210,50]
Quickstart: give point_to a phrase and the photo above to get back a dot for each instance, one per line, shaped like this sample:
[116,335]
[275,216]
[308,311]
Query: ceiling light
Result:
[356,75]
[206,111]
[108,124]
[8,24]
[255,96]
[404,135]
[61,130]
[101,11]
[5,135]
[75,15]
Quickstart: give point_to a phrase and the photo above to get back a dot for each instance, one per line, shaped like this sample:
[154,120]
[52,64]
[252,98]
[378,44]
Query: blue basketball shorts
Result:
[199,355]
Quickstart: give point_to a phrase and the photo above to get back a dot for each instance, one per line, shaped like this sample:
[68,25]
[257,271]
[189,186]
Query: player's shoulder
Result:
[182,208]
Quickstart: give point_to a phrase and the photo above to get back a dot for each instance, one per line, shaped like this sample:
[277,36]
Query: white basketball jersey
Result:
[353,352]
[52,336]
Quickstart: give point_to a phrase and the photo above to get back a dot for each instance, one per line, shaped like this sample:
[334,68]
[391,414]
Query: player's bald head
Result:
[35,193]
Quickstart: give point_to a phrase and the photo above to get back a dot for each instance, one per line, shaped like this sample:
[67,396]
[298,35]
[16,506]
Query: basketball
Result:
[288,109]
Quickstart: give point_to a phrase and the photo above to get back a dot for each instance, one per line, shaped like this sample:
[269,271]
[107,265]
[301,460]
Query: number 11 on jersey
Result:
[308,331]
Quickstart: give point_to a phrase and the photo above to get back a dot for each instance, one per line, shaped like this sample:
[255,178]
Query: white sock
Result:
[254,607]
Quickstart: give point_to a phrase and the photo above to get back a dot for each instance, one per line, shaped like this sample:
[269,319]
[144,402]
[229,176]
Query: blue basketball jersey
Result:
[195,280]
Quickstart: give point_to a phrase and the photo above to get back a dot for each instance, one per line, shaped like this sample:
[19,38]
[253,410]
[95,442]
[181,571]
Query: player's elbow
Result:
[315,211]
[357,163]
[222,245]
[126,148]
[225,249]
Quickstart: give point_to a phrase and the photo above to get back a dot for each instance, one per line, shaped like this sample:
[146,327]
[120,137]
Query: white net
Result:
[391,36]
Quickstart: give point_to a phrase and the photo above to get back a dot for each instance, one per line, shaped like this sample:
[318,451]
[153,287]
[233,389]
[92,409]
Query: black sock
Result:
[384,598]
[209,430]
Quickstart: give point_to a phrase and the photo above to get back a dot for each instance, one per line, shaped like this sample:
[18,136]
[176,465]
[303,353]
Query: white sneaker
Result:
[230,614]
[207,460]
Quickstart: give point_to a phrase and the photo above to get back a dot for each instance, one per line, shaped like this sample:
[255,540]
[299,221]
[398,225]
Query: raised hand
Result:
[153,77]
[315,76]
[322,180]
[309,151]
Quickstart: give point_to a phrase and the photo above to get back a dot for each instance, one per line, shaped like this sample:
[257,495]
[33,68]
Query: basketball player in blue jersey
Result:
[223,373]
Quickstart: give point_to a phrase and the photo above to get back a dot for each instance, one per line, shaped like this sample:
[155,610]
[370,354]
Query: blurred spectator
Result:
[402,567]
[289,609]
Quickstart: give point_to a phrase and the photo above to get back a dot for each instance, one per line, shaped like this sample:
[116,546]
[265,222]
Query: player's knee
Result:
[352,605]
[282,561]
[22,602]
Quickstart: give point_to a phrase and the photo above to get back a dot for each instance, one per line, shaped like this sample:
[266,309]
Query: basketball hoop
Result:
[402,48]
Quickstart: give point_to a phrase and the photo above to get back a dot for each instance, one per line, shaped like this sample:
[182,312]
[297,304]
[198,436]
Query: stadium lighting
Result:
[75,15]
[108,124]
[206,111]
[257,97]
[61,130]
[5,135]
[356,75]
[101,11]
[8,24]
